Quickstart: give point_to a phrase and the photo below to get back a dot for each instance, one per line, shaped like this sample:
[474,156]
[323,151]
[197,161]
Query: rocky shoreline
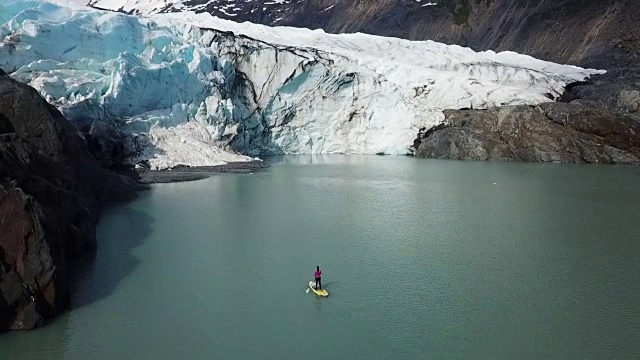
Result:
[54,181]
[192,173]
[52,190]
[551,132]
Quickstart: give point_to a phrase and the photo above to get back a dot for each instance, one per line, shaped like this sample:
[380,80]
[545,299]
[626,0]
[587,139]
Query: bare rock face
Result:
[51,191]
[553,132]
[27,258]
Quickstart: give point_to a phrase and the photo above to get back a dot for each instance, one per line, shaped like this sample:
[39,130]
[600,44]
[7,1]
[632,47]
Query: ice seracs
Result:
[189,84]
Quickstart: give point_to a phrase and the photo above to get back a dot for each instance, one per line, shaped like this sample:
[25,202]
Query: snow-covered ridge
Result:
[194,82]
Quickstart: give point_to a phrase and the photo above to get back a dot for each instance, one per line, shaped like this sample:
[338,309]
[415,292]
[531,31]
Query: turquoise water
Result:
[422,259]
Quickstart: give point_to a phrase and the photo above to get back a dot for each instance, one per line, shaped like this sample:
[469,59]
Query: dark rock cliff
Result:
[51,191]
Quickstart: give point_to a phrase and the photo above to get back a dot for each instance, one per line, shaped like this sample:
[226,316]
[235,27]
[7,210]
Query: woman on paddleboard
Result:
[318,276]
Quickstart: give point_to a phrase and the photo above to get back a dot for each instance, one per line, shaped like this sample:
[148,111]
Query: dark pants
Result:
[318,283]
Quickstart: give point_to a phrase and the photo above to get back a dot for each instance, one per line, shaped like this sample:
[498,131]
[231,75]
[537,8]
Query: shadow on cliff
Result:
[97,275]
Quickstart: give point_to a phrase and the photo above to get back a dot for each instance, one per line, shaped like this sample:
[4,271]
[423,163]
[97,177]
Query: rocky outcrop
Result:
[553,132]
[51,191]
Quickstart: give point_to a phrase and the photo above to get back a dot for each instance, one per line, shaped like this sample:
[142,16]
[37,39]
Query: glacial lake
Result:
[423,259]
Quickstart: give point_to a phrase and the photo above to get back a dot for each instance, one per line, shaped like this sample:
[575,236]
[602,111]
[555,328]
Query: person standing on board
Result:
[318,276]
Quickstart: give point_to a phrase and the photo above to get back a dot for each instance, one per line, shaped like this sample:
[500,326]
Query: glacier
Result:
[194,89]
[225,8]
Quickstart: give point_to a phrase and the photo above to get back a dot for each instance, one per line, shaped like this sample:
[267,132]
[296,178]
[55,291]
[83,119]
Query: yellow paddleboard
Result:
[321,292]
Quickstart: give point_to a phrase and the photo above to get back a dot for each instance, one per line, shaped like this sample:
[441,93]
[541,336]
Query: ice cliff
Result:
[186,85]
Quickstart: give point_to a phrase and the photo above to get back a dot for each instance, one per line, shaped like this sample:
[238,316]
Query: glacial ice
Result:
[230,8]
[192,84]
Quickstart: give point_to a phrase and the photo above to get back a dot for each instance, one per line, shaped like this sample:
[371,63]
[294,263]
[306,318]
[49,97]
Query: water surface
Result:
[422,259]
